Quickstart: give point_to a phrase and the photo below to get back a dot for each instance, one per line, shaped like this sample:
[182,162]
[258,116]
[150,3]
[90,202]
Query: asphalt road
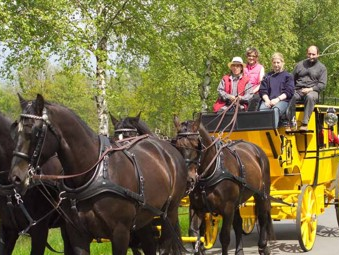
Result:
[326,243]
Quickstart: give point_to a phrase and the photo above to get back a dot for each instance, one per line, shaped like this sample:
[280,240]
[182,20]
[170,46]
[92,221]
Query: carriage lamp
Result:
[331,117]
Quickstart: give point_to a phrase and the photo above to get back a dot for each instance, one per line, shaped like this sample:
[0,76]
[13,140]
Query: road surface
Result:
[286,243]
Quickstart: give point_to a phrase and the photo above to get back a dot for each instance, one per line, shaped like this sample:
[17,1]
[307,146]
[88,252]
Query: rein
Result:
[108,150]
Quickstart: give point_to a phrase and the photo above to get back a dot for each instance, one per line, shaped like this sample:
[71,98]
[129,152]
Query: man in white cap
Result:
[234,85]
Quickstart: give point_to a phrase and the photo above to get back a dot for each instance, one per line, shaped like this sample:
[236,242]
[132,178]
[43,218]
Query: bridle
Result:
[119,133]
[33,161]
[189,161]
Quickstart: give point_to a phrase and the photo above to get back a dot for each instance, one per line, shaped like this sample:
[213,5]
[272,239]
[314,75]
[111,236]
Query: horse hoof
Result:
[264,251]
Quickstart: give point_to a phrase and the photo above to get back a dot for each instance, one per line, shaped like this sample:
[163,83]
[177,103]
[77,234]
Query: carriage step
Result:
[299,132]
[291,174]
[192,239]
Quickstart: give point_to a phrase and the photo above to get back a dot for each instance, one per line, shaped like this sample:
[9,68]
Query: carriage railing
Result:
[246,121]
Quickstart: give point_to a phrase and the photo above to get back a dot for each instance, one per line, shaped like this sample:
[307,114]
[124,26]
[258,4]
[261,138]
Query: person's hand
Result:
[306,90]
[275,101]
[232,98]
[256,89]
[268,103]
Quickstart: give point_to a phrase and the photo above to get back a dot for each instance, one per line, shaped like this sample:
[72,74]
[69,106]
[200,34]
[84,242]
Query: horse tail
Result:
[175,247]
[265,167]
[269,226]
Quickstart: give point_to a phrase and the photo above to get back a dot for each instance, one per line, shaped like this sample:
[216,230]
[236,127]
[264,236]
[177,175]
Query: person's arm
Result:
[295,74]
[221,90]
[261,77]
[248,92]
[262,74]
[322,81]
[263,87]
[288,88]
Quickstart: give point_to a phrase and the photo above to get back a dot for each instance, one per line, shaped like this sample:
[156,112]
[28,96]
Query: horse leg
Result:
[196,228]
[39,234]
[67,244]
[145,238]
[237,226]
[8,240]
[265,224]
[79,242]
[170,239]
[225,232]
[120,239]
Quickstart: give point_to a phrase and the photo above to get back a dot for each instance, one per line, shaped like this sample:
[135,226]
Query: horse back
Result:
[153,167]
[249,162]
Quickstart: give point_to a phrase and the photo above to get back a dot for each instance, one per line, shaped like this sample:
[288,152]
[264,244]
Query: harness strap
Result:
[108,150]
[10,207]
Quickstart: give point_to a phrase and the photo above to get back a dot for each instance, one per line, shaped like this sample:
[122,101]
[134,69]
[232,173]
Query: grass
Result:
[54,239]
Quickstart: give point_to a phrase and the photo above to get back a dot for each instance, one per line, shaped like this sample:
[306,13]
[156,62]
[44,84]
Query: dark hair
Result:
[315,47]
[252,50]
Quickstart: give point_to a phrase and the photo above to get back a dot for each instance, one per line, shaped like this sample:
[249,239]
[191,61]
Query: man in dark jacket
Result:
[310,78]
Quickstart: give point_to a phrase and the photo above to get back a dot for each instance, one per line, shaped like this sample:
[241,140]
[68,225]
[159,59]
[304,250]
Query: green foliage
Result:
[67,87]
[155,53]
[9,104]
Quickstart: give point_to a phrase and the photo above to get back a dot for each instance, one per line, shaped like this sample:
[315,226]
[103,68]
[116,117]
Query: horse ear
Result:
[137,118]
[23,102]
[113,119]
[176,122]
[197,121]
[39,104]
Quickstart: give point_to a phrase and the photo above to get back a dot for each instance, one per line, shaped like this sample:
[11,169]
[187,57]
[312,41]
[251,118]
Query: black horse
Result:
[110,189]
[130,127]
[32,213]
[225,175]
[126,128]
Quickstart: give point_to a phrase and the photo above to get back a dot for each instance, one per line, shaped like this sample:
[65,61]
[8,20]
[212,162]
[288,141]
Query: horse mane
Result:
[64,108]
[132,122]
[6,145]
[143,128]
[5,124]
[207,139]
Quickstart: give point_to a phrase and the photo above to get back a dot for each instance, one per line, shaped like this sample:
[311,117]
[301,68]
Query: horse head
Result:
[188,142]
[129,127]
[6,148]
[31,133]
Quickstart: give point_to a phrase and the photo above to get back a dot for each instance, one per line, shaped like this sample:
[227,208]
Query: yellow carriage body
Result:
[303,168]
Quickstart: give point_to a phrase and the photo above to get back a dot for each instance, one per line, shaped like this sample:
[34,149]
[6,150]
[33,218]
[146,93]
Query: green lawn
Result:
[54,239]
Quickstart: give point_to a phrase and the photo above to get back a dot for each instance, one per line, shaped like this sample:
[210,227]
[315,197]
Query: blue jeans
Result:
[279,110]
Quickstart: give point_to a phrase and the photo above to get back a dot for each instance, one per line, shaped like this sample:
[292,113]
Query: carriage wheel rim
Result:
[336,196]
[248,224]
[307,218]
[211,231]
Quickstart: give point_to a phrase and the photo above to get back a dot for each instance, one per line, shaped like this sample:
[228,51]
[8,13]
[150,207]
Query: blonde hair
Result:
[278,55]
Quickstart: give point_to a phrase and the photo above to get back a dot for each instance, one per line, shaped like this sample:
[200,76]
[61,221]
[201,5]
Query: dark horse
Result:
[130,127]
[225,175]
[32,213]
[109,189]
[126,128]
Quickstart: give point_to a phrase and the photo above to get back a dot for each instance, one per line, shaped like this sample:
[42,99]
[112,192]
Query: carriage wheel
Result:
[336,201]
[211,230]
[306,218]
[248,225]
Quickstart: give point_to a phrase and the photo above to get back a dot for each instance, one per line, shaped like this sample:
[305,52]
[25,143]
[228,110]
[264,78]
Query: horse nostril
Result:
[16,180]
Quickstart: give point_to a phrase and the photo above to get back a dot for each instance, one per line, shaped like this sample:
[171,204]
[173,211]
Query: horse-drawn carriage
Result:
[303,167]
[272,173]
